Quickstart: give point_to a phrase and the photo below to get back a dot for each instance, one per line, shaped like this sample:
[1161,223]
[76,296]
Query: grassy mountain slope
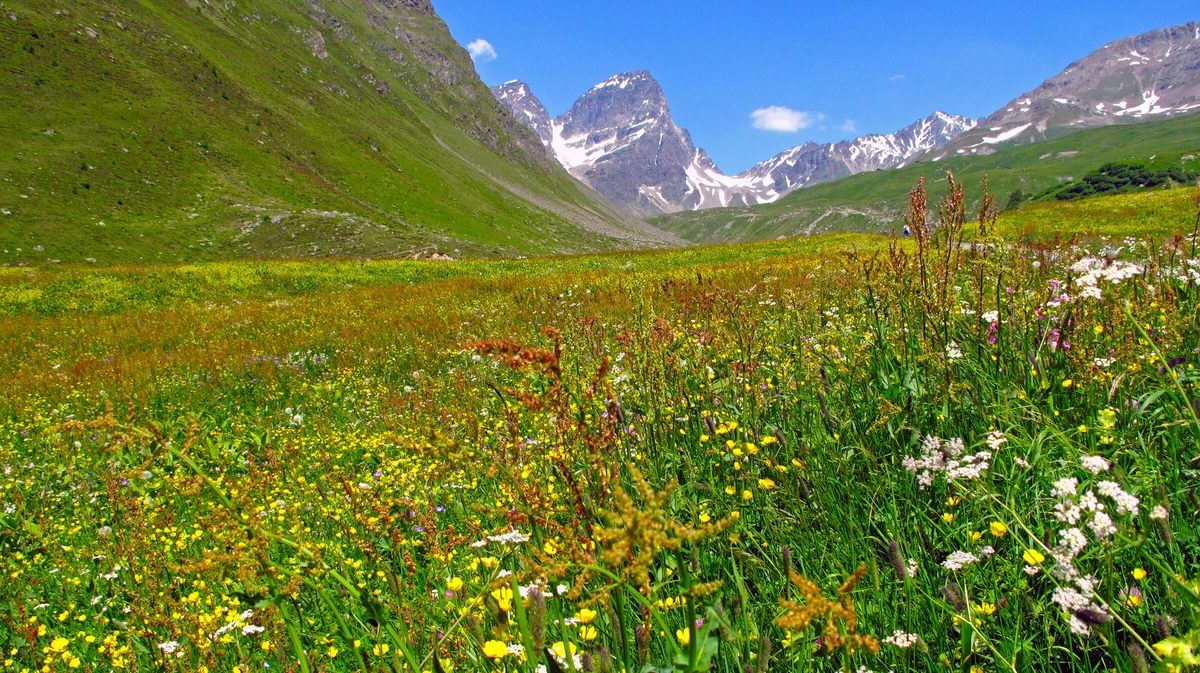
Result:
[161,131]
[876,201]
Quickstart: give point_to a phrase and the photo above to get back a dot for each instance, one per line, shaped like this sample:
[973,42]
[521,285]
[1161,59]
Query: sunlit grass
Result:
[787,456]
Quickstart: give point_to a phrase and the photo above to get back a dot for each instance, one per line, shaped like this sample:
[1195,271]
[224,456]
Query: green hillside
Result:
[163,131]
[876,201]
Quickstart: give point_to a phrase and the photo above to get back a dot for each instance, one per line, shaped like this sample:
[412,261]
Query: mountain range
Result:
[619,138]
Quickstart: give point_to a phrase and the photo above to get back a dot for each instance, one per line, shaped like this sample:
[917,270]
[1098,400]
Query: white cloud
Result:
[481,51]
[783,119]
[896,78]
[850,126]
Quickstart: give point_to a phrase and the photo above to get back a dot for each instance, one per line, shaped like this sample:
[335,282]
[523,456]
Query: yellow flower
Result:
[947,517]
[550,548]
[953,501]
[998,528]
[684,636]
[766,484]
[503,598]
[560,649]
[1033,557]
[747,495]
[1067,383]
[381,649]
[1139,574]
[974,535]
[986,609]
[331,652]
[586,616]
[454,584]
[495,649]
[59,644]
[588,632]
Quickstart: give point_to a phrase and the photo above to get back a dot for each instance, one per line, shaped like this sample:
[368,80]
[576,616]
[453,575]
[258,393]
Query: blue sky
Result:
[851,67]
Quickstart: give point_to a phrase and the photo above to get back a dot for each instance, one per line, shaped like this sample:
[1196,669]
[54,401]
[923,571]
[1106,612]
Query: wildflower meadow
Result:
[963,451]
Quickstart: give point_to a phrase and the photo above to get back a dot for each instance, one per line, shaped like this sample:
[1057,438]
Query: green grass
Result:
[303,465]
[198,131]
[876,201]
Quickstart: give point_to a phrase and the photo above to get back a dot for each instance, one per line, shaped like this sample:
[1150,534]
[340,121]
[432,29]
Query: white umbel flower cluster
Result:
[902,639]
[946,457]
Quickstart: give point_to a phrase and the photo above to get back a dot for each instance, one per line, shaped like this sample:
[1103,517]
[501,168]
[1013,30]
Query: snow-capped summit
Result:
[620,139]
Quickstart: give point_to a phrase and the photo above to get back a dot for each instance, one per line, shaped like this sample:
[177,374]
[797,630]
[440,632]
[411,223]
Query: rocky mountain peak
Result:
[620,139]
[526,107]
[620,101]
[1152,75]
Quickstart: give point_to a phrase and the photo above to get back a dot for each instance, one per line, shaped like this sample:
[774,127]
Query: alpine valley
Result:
[320,355]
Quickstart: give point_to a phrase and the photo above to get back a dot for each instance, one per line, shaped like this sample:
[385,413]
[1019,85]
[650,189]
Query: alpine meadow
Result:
[318,354]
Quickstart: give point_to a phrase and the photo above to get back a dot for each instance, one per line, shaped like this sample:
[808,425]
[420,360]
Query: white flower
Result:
[946,457]
[1067,512]
[953,352]
[252,629]
[511,537]
[1094,464]
[958,559]
[1102,525]
[912,567]
[996,439]
[1126,503]
[1065,487]
[1103,362]
[1090,502]
[1159,513]
[1071,542]
[1069,599]
[902,639]
[169,647]
[990,316]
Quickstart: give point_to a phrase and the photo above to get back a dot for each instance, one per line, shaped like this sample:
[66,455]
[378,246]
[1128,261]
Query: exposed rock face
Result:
[520,101]
[620,139]
[1153,75]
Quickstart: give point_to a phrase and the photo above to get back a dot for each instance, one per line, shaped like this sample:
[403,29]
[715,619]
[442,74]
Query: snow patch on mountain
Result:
[620,139]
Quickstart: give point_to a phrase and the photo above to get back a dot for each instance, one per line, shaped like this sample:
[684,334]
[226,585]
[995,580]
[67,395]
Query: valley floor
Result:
[837,453]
